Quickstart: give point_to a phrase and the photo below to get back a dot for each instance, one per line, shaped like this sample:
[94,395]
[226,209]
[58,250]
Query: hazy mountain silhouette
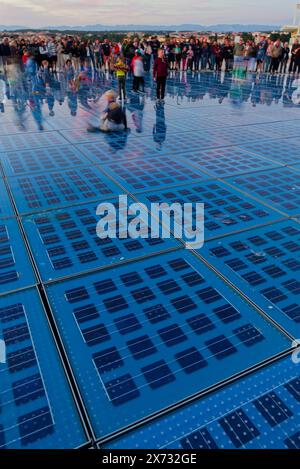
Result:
[148,27]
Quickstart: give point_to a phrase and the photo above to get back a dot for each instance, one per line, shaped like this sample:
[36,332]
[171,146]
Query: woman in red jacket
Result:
[160,73]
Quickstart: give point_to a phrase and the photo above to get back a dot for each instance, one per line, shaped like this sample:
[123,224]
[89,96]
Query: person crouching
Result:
[114,119]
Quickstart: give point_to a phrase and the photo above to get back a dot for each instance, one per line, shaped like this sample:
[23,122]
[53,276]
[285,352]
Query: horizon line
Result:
[141,24]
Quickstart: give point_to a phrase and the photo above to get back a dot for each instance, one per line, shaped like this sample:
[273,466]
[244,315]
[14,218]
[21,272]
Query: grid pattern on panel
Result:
[15,268]
[30,140]
[223,162]
[6,209]
[279,188]
[41,160]
[66,242]
[36,403]
[225,210]
[164,325]
[144,322]
[282,151]
[55,189]
[260,412]
[139,175]
[265,264]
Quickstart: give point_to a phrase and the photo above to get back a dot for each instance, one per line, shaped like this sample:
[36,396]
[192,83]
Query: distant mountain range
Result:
[218,28]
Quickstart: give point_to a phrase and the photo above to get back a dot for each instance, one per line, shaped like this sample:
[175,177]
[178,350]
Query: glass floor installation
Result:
[139,342]
[259,412]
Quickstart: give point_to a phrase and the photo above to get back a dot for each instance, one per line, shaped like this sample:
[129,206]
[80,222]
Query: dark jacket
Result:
[117,116]
[228,52]
[160,68]
[5,50]
[285,53]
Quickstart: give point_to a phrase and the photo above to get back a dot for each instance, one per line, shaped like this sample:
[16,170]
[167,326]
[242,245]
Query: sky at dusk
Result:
[38,13]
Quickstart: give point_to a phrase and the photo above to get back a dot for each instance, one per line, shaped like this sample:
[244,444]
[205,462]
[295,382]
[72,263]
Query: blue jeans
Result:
[212,62]
[204,61]
[267,63]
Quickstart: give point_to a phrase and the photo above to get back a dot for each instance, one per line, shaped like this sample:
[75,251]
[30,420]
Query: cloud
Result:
[49,12]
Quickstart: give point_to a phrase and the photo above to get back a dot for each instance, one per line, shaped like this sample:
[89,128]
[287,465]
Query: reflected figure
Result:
[2,92]
[117,141]
[276,83]
[160,128]
[19,99]
[255,95]
[288,92]
[39,90]
[72,99]
[236,93]
[36,109]
[296,92]
[136,107]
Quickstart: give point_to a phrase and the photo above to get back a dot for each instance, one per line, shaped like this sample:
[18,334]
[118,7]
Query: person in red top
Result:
[160,73]
[25,57]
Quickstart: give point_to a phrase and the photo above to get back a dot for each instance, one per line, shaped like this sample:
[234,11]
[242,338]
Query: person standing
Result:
[276,52]
[121,68]
[82,53]
[147,57]
[52,54]
[90,54]
[106,51]
[5,53]
[297,61]
[155,45]
[171,55]
[268,57]
[138,73]
[177,55]
[228,54]
[239,58]
[60,56]
[190,58]
[251,56]
[284,58]
[219,57]
[98,54]
[43,53]
[214,50]
[295,46]
[205,55]
[160,73]
[197,54]
[76,55]
[261,56]
[184,55]
[68,48]
[30,66]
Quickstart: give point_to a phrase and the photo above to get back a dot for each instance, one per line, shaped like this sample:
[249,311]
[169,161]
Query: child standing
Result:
[121,69]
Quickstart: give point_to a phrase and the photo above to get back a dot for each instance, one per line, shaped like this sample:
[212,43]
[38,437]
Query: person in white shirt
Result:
[52,54]
[138,73]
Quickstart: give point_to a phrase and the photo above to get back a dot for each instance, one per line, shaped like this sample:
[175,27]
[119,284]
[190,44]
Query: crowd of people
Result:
[195,53]
[29,77]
